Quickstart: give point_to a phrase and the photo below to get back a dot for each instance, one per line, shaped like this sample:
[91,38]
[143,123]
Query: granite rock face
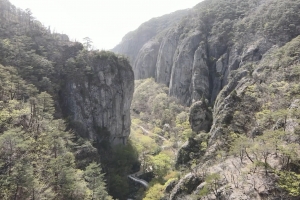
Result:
[181,75]
[195,52]
[227,54]
[165,56]
[98,103]
[146,60]
[200,117]
[133,41]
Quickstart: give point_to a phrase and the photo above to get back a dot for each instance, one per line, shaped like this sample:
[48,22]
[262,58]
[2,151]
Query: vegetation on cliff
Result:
[44,153]
[241,59]
[236,59]
[159,127]
[37,153]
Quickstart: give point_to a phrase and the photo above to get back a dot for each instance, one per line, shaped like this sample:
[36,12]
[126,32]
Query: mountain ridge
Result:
[237,61]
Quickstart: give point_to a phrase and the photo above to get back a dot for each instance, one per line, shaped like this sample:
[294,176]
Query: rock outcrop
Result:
[133,41]
[242,58]
[98,102]
[200,117]
[146,60]
[257,100]
[194,53]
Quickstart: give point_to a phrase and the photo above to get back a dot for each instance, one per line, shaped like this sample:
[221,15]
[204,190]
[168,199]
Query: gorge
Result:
[204,102]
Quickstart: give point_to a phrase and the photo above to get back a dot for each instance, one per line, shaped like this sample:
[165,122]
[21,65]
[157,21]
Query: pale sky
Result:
[104,21]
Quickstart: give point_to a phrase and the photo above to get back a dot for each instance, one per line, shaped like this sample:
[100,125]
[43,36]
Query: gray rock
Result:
[165,56]
[145,66]
[190,150]
[200,76]
[221,57]
[200,117]
[181,76]
[185,186]
[98,104]
[171,185]
[133,41]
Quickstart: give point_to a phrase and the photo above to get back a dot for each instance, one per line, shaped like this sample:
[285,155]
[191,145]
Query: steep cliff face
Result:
[195,56]
[259,104]
[242,57]
[98,101]
[95,88]
[47,82]
[133,41]
[146,60]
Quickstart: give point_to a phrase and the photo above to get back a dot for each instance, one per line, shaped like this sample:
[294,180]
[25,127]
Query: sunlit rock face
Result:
[98,103]
[194,53]
[146,60]
[226,54]
[133,41]
[165,56]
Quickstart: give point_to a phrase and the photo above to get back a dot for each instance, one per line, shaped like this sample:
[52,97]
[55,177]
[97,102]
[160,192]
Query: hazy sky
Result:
[104,21]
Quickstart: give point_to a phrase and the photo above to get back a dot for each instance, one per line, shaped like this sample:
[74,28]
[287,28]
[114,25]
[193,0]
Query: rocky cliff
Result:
[63,108]
[98,99]
[195,56]
[255,113]
[133,41]
[241,58]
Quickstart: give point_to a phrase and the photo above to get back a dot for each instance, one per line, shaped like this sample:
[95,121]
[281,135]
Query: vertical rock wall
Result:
[98,103]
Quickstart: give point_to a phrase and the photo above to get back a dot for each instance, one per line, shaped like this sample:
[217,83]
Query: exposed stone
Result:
[133,41]
[185,186]
[188,151]
[231,63]
[200,76]
[145,66]
[98,105]
[200,117]
[171,185]
[181,76]
[165,56]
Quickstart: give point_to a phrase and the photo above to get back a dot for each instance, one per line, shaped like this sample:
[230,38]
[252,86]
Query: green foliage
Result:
[146,146]
[289,181]
[95,182]
[240,146]
[152,99]
[52,159]
[118,163]
[36,157]
[159,112]
[87,43]
[203,192]
[155,192]
[213,183]
[161,164]
[159,126]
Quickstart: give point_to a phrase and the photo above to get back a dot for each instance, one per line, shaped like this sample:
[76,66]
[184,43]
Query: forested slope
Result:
[235,63]
[253,147]
[62,109]
[37,153]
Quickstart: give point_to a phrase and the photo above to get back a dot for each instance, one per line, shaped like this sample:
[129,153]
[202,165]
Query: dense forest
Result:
[43,156]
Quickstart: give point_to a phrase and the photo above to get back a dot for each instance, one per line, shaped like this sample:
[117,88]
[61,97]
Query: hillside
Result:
[235,64]
[133,41]
[195,56]
[213,112]
[64,110]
